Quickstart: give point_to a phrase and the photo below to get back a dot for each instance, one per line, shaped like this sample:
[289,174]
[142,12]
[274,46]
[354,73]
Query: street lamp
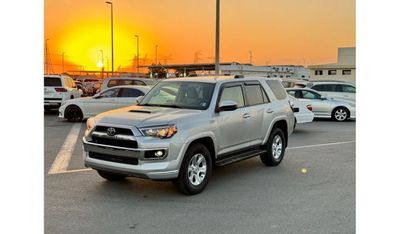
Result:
[137,55]
[156,53]
[112,38]
[102,64]
[217,40]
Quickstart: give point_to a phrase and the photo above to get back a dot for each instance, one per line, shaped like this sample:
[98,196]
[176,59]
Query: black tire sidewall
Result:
[68,114]
[267,158]
[183,179]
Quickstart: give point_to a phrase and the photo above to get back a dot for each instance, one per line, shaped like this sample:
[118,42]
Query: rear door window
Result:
[310,95]
[254,94]
[348,89]
[52,82]
[110,93]
[125,92]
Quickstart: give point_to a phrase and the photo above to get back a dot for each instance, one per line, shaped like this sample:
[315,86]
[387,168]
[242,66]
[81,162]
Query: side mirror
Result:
[139,99]
[227,105]
[296,109]
[323,98]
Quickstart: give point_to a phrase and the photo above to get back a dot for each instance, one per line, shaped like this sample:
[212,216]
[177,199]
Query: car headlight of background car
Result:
[165,131]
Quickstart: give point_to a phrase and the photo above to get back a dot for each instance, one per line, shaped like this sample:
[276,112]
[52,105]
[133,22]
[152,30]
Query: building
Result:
[343,70]
[233,68]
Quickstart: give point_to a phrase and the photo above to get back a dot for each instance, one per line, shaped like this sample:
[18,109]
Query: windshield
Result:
[180,94]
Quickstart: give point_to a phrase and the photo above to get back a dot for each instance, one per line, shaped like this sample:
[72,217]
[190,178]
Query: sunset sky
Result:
[276,31]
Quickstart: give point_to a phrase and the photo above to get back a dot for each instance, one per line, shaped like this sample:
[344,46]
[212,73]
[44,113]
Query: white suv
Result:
[57,89]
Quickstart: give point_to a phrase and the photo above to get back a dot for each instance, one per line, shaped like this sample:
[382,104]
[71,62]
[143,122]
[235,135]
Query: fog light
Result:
[155,154]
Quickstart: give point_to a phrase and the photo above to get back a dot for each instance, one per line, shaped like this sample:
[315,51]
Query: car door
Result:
[106,100]
[232,125]
[258,111]
[127,96]
[320,107]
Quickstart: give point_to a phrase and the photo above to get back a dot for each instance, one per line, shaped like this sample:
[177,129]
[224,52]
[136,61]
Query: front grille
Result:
[115,142]
[122,131]
[113,158]
[53,99]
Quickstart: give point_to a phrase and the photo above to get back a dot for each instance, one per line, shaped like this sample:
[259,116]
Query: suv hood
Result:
[143,116]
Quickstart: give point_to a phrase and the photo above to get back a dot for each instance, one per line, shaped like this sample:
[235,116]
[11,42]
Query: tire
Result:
[275,146]
[111,176]
[340,114]
[73,114]
[195,171]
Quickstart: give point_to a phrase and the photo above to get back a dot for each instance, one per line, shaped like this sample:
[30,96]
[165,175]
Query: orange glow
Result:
[277,32]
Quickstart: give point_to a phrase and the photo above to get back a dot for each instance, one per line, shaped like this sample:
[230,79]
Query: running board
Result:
[239,157]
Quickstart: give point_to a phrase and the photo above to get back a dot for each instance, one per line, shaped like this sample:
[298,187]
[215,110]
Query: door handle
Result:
[246,115]
[270,110]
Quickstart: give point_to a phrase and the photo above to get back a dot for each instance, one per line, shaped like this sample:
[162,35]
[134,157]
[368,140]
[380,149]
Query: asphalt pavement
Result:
[311,191]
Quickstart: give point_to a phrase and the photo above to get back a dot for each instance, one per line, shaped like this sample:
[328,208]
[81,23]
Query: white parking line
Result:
[73,171]
[319,145]
[61,162]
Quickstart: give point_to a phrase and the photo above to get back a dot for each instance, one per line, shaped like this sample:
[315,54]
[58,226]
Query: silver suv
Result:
[184,127]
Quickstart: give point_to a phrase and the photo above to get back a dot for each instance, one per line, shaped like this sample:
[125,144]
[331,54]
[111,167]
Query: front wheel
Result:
[195,170]
[275,146]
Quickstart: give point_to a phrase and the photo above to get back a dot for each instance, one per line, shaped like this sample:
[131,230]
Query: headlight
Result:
[160,131]
[90,124]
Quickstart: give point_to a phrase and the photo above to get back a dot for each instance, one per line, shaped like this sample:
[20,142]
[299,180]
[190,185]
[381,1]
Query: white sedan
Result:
[304,112]
[112,98]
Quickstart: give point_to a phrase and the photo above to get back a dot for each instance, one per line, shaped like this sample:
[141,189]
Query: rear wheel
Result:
[340,114]
[195,170]
[275,146]
[73,114]
[111,176]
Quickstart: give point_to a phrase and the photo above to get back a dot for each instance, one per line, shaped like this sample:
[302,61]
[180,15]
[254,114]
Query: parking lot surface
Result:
[311,191]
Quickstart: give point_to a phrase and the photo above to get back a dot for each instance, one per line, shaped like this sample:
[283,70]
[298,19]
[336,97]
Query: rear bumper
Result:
[145,168]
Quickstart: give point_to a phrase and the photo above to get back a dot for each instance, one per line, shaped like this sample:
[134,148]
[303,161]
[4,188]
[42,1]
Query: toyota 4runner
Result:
[184,127]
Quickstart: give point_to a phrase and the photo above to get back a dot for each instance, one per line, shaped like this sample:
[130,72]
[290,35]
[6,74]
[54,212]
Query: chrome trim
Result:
[120,148]
[116,137]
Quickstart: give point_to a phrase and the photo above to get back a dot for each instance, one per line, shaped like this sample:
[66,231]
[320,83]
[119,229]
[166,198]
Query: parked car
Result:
[325,107]
[57,89]
[118,81]
[182,135]
[303,110]
[335,89]
[112,98]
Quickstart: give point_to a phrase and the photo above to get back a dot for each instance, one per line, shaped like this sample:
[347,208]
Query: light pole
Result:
[251,56]
[112,38]
[102,64]
[137,55]
[156,53]
[217,40]
[63,61]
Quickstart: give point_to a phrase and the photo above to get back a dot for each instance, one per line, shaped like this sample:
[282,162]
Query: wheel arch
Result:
[280,122]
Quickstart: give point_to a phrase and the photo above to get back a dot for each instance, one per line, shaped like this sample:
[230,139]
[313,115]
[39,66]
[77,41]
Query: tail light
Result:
[61,90]
[309,107]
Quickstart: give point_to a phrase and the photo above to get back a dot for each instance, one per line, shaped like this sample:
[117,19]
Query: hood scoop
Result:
[140,111]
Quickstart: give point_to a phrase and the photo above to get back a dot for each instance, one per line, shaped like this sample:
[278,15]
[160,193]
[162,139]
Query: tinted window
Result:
[131,93]
[110,93]
[138,82]
[348,89]
[112,83]
[233,93]
[291,92]
[327,88]
[310,95]
[277,89]
[52,81]
[254,94]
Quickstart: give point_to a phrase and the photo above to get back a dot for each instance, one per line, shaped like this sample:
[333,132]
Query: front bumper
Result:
[167,168]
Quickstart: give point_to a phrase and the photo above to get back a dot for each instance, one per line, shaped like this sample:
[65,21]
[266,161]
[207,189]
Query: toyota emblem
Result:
[111,131]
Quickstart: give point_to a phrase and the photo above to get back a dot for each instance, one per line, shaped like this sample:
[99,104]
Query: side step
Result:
[239,157]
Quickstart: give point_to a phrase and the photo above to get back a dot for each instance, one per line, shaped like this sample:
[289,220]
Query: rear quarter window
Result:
[277,89]
[52,81]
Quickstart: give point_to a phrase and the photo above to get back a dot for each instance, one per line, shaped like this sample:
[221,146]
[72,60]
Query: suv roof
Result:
[313,82]
[216,79]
